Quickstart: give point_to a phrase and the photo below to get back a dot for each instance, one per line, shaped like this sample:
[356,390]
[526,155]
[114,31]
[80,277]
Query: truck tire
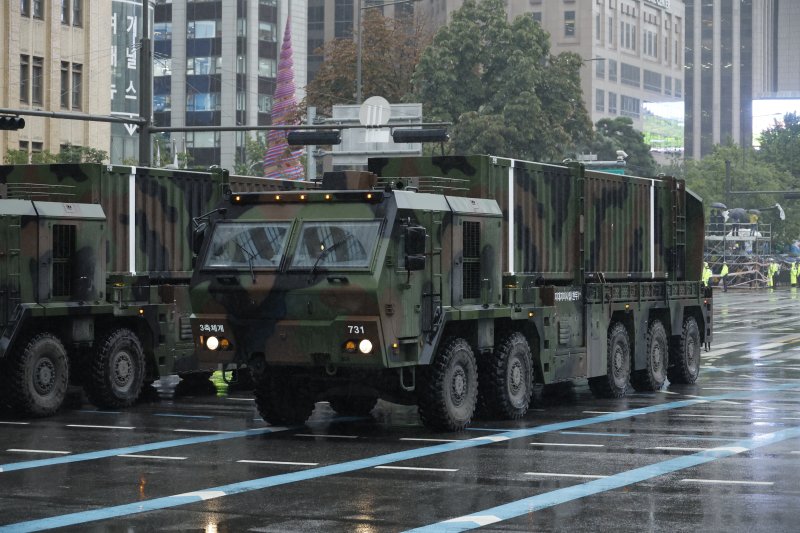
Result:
[117,370]
[448,387]
[361,405]
[684,354]
[653,376]
[282,400]
[38,375]
[618,365]
[506,378]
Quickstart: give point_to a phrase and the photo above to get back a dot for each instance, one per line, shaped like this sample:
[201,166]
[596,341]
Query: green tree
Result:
[390,51]
[71,153]
[16,157]
[707,178]
[251,162]
[780,145]
[500,85]
[612,134]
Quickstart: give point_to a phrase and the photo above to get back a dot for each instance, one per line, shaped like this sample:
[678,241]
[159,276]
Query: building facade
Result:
[215,64]
[54,57]
[632,49]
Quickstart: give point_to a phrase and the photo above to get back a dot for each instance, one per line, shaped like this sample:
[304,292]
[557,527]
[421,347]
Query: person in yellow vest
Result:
[723,273]
[706,274]
[776,267]
[770,273]
[793,274]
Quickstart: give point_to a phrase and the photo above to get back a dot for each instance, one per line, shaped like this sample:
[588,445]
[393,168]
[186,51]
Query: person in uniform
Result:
[723,273]
[706,274]
[793,274]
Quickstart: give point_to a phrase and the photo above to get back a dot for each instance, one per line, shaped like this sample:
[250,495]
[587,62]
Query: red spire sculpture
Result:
[280,161]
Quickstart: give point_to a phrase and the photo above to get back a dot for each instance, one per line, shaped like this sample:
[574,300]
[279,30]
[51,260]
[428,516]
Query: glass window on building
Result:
[38,9]
[25,8]
[162,102]
[266,67]
[668,85]
[652,81]
[241,101]
[600,67]
[203,65]
[270,3]
[343,18]
[162,67]
[24,78]
[630,75]
[599,100]
[202,139]
[612,70]
[65,11]
[65,93]
[267,31]
[162,31]
[537,17]
[678,88]
[77,86]
[37,80]
[264,103]
[612,103]
[597,27]
[202,29]
[202,102]
[569,24]
[241,65]
[241,27]
[77,13]
[629,106]
[610,29]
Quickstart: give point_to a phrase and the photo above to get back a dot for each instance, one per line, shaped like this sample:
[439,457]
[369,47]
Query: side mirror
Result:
[415,240]
[198,236]
[415,262]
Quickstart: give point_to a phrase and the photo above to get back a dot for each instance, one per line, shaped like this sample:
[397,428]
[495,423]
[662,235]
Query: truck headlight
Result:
[212,343]
[365,346]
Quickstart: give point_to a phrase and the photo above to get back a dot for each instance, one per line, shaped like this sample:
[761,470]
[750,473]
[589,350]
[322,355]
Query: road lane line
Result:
[102,454]
[292,463]
[417,468]
[88,426]
[677,449]
[726,482]
[545,500]
[595,433]
[168,502]
[550,474]
[412,439]
[21,450]
[178,415]
[201,431]
[138,456]
[242,399]
[726,417]
[14,423]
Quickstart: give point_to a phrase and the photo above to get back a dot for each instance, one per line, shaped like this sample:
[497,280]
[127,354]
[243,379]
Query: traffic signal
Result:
[12,123]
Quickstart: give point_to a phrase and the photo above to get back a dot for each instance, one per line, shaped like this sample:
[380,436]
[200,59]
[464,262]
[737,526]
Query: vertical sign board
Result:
[126,27]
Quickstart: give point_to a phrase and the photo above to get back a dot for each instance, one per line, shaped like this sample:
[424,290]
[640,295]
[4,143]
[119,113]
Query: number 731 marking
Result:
[355,330]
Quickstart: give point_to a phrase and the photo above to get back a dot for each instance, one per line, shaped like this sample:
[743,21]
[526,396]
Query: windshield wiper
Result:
[325,254]
[250,256]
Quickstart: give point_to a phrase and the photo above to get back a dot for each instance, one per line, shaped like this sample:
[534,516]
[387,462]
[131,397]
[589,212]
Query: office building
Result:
[54,57]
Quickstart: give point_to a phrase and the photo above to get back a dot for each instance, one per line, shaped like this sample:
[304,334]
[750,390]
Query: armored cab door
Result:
[9,266]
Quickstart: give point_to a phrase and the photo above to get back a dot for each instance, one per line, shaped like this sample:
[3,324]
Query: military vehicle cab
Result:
[448,280]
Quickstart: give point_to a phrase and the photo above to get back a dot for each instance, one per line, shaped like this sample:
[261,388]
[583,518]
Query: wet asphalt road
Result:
[720,455]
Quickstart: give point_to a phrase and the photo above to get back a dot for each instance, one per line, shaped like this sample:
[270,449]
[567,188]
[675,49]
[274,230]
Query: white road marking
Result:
[292,463]
[200,431]
[99,427]
[242,399]
[677,449]
[567,444]
[417,468]
[726,345]
[481,520]
[716,353]
[721,401]
[203,494]
[727,482]
[165,457]
[727,388]
[15,423]
[326,436]
[21,450]
[428,440]
[710,416]
[549,474]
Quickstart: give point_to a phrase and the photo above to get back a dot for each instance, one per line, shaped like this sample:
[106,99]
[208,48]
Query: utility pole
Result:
[145,87]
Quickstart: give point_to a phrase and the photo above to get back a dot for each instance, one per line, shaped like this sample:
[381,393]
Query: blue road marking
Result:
[623,479]
[177,500]
[139,448]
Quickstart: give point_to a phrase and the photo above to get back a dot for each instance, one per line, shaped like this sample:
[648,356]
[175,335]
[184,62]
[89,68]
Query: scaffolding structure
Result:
[746,247]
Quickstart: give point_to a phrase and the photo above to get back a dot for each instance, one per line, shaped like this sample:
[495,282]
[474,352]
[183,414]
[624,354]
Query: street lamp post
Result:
[359,48]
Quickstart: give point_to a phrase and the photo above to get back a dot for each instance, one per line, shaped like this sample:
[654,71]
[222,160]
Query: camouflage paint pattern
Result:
[577,236]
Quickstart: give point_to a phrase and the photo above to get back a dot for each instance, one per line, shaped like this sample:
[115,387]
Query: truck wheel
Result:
[653,376]
[618,364]
[448,387]
[506,378]
[353,405]
[684,354]
[38,375]
[117,370]
[282,400]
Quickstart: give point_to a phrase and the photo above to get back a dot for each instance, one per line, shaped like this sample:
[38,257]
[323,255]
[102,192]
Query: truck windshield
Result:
[236,245]
[336,245]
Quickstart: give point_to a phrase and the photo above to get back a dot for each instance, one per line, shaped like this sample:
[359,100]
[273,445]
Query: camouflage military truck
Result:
[453,281]
[95,263]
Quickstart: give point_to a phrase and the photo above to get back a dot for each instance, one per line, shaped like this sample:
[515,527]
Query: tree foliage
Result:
[612,134]
[500,86]
[69,154]
[748,172]
[780,145]
[390,51]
